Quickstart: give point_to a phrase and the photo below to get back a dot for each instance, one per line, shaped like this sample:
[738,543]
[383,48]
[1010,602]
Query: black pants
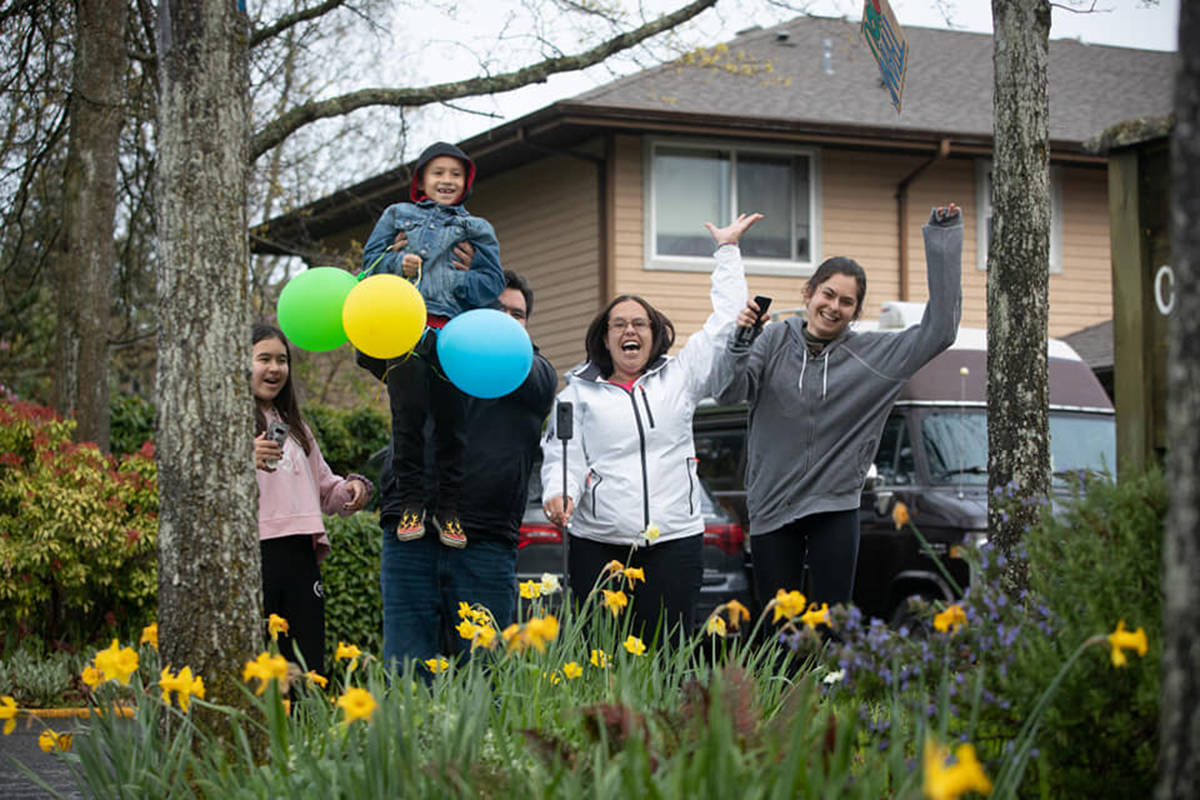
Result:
[826,543]
[417,390]
[673,573]
[292,589]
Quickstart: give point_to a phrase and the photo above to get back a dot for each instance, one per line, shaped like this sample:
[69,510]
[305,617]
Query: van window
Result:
[955,444]
[721,458]
[894,459]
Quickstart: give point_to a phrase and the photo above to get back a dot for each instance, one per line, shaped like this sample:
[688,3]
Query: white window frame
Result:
[983,202]
[754,266]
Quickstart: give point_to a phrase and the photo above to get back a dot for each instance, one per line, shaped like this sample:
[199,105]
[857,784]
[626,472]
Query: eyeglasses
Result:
[619,324]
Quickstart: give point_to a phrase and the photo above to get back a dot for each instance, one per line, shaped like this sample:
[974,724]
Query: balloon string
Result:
[375,263]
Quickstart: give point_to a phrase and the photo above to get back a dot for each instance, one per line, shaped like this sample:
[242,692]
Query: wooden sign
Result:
[886,40]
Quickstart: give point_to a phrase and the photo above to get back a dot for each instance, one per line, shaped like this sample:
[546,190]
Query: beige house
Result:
[605,193]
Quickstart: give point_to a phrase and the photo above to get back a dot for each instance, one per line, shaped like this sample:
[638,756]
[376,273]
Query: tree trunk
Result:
[86,253]
[1018,277]
[1179,732]
[209,575]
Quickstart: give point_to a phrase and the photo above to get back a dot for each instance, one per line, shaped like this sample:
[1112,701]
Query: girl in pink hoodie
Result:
[295,486]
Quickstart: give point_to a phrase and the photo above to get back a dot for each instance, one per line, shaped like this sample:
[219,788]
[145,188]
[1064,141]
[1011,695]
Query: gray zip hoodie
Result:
[815,421]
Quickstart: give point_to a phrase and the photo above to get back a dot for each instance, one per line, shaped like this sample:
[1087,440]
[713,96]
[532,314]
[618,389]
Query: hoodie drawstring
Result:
[824,374]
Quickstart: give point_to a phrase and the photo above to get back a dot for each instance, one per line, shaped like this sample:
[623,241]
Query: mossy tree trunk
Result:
[1018,276]
[209,583]
[85,254]
[1179,733]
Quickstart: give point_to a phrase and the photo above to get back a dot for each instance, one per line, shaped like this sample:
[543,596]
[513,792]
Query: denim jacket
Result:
[433,231]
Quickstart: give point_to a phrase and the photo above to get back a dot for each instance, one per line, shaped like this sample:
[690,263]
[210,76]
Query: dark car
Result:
[724,552]
[932,456]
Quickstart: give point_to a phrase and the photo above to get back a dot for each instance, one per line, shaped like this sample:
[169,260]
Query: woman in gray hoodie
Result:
[819,394]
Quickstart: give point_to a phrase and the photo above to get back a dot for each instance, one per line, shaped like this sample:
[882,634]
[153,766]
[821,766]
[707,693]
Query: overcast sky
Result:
[1123,23]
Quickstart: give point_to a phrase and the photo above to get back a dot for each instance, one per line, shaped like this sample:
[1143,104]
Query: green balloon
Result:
[310,308]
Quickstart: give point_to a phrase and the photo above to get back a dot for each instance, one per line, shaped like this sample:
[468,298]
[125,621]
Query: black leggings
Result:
[826,543]
[673,573]
[292,589]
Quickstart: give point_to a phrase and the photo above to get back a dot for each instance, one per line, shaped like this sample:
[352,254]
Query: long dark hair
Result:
[285,402]
[839,265]
[661,328]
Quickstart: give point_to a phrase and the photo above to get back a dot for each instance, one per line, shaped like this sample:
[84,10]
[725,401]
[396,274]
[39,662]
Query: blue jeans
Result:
[423,581]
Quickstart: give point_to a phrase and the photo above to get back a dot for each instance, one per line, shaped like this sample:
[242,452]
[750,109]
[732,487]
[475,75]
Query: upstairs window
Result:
[693,183]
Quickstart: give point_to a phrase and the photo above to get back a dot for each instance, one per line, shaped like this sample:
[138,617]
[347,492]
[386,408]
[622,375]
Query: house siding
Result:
[859,219]
[547,218]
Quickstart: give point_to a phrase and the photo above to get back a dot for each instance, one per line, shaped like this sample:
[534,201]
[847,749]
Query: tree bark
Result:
[86,254]
[1179,730]
[1018,277]
[209,579]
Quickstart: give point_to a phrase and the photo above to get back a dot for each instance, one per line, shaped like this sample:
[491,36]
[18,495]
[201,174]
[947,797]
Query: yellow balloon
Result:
[384,316]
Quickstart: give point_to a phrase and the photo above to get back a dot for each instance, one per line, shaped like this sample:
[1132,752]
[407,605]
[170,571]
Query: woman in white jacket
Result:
[632,490]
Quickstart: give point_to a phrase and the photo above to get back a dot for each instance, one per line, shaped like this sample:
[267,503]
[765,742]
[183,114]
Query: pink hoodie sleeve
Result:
[333,490]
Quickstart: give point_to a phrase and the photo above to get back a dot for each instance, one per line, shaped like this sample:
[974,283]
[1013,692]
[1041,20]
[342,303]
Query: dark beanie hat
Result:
[429,154]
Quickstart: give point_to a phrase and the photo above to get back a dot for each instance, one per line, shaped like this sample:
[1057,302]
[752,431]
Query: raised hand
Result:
[732,232]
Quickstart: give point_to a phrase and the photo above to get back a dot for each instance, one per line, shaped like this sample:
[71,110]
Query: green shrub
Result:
[1098,561]
[77,532]
[348,438]
[353,604]
[131,423]
[39,681]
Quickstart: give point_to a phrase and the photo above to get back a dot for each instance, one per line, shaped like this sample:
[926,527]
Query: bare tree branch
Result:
[280,128]
[283,23]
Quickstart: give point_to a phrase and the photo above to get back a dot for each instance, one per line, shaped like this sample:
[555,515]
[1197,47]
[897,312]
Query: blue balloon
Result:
[485,353]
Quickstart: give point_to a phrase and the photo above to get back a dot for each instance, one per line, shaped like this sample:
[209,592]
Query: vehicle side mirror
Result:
[884,498]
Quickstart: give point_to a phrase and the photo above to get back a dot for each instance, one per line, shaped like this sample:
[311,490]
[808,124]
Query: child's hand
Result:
[358,495]
[410,265]
[267,453]
[463,253]
[399,243]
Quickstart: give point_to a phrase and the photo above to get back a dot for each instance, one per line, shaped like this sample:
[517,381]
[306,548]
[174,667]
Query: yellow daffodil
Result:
[900,516]
[553,677]
[92,677]
[572,670]
[541,630]
[715,625]
[612,568]
[599,659]
[466,629]
[436,665]
[615,601]
[949,782]
[117,663]
[651,532]
[464,610]
[550,583]
[8,713]
[150,635]
[184,686]
[346,651]
[531,589]
[737,613]
[485,637]
[1122,640]
[512,638]
[265,668]
[633,574]
[788,605]
[634,645]
[953,617]
[50,741]
[276,625]
[316,678]
[816,616]
[358,704]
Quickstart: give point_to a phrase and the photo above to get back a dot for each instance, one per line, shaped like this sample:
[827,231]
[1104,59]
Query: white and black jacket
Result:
[632,463]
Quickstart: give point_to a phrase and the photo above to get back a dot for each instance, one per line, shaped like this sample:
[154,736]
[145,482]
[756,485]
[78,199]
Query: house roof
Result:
[1094,344]
[821,74]
[813,79]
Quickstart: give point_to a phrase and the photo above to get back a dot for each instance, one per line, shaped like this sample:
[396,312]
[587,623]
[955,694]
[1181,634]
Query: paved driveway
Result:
[22,744]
